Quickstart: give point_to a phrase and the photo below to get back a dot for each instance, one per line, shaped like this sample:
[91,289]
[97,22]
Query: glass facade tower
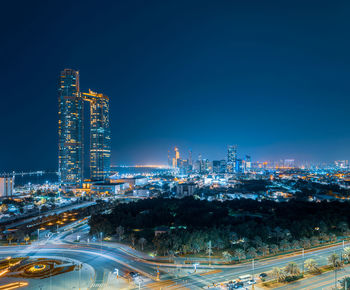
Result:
[231,158]
[100,136]
[70,130]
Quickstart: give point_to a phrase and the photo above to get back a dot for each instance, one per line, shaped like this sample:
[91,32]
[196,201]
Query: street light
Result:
[116,271]
[79,268]
[101,234]
[303,255]
[195,267]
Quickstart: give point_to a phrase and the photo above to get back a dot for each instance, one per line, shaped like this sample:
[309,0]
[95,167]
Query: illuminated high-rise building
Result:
[176,158]
[231,158]
[70,129]
[100,135]
[71,132]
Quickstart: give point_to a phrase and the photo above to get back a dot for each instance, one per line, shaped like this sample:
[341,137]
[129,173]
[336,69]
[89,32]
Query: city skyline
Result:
[273,81]
[175,145]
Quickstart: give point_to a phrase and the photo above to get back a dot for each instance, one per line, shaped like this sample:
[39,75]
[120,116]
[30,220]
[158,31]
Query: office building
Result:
[231,158]
[100,136]
[176,158]
[185,189]
[6,186]
[70,130]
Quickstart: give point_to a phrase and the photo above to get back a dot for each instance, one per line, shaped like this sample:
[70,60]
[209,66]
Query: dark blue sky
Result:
[270,76]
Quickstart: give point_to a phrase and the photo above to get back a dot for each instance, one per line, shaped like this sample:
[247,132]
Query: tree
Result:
[274,249]
[10,237]
[209,250]
[120,232]
[346,254]
[334,261]
[171,255]
[345,283]
[333,237]
[133,239]
[305,243]
[227,256]
[324,237]
[252,252]
[142,242]
[343,227]
[240,254]
[284,245]
[258,241]
[311,265]
[314,241]
[278,232]
[264,249]
[278,274]
[292,269]
[295,244]
[26,238]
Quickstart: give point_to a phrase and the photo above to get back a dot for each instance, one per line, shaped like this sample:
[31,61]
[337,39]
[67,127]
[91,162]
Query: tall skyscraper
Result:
[231,158]
[70,129]
[176,158]
[190,158]
[100,135]
[71,132]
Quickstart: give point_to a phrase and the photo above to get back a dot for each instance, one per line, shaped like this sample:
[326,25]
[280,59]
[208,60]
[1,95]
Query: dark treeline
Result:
[238,228]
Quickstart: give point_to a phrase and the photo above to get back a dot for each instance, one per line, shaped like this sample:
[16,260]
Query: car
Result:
[262,275]
[251,282]
[133,275]
[238,285]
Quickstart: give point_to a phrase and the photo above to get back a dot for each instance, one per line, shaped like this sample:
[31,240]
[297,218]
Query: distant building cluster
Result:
[231,165]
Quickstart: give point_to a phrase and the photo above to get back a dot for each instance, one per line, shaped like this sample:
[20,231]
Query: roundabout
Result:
[47,272]
[40,268]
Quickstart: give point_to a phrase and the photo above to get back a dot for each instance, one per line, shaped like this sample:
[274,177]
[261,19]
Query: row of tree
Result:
[242,228]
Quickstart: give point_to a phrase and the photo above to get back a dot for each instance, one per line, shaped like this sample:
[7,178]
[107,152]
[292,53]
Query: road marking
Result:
[167,284]
[210,272]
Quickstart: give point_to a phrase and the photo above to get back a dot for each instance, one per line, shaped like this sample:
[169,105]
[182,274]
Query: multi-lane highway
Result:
[104,260]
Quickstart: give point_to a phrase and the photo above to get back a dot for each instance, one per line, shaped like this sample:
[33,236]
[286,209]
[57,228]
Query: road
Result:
[105,259]
[51,212]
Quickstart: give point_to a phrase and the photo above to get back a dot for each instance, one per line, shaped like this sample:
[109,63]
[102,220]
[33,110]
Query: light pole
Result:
[80,266]
[335,273]
[116,271]
[253,268]
[253,279]
[303,255]
[101,240]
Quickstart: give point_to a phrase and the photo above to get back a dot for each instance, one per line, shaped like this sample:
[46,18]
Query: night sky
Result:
[270,76]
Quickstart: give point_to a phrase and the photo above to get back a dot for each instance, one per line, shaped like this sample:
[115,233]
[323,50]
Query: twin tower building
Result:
[71,132]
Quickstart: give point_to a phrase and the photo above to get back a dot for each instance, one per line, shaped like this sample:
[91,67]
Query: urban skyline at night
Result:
[183,145]
[278,91]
